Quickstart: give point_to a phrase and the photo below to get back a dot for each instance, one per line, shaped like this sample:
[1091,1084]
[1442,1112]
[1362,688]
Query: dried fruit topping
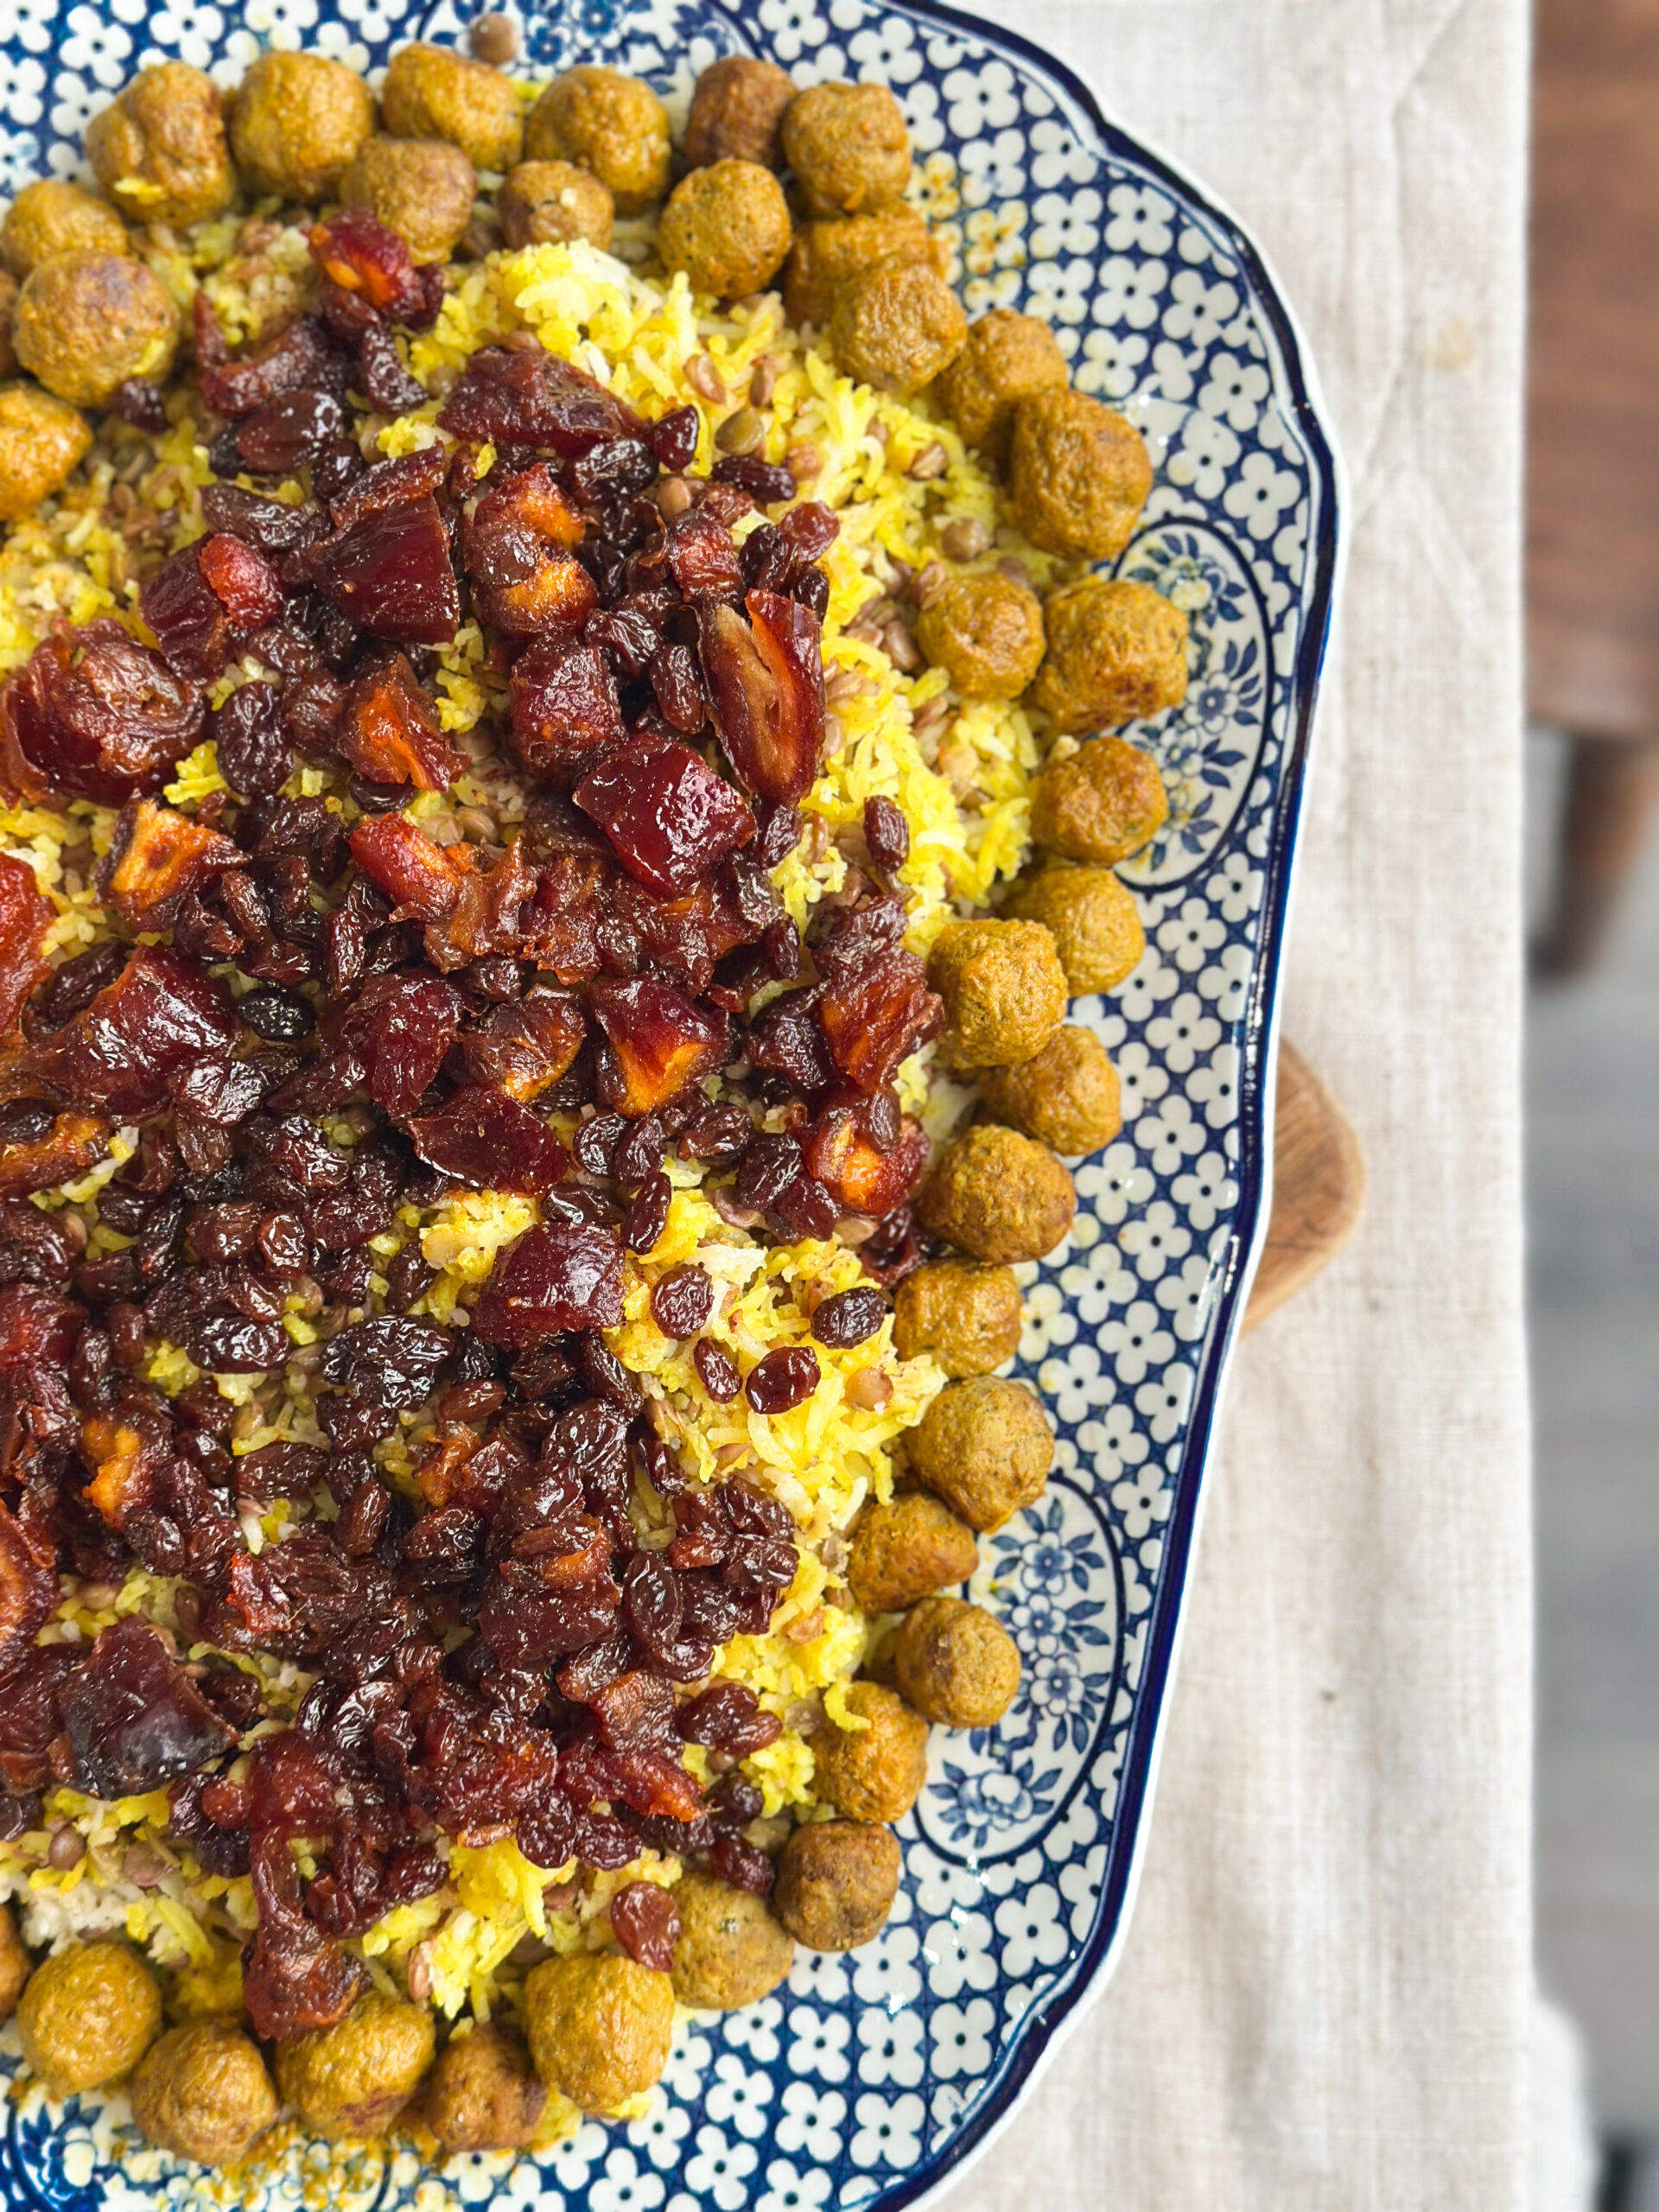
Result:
[117,1053]
[557,1277]
[863,1174]
[784,1378]
[372,266]
[134,1718]
[765,680]
[390,730]
[848,1318]
[702,557]
[517,551]
[390,572]
[94,715]
[300,357]
[399,1029]
[492,1142]
[645,1922]
[729,1717]
[28,1584]
[670,819]
[530,398]
[422,876]
[279,438]
[564,709]
[524,1049]
[67,1145]
[660,1040]
[682,1300]
[875,1007]
[25,918]
[251,742]
[888,834]
[155,857]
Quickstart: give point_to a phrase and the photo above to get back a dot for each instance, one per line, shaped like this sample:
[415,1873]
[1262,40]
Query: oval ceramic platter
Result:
[869,2078]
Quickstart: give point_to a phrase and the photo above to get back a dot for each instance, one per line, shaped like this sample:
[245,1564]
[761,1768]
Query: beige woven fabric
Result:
[1323,2001]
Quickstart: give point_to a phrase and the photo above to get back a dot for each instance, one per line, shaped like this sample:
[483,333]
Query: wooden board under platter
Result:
[1319,1186]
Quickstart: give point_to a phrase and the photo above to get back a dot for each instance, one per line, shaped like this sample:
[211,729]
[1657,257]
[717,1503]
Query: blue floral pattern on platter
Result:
[869,2077]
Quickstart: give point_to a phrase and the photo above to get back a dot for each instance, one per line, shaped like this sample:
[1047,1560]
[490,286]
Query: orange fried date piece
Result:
[491,1141]
[659,1041]
[423,876]
[390,732]
[765,679]
[670,819]
[73,1143]
[560,1276]
[158,856]
[523,1050]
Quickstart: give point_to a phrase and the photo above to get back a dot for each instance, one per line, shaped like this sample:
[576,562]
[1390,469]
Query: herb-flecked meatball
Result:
[423,188]
[826,256]
[431,92]
[726,227]
[202,2092]
[87,322]
[985,631]
[159,148]
[1008,358]
[483,2094]
[1102,803]
[836,1882]
[966,1315]
[549,203]
[998,1195]
[848,148]
[737,113]
[15,1964]
[984,1447]
[730,1950]
[296,123]
[957,1663]
[907,1549]
[873,1772]
[53,216]
[1079,475]
[87,2015]
[1003,988]
[1093,920]
[615,125]
[356,2077]
[1117,654]
[1067,1096]
[600,2026]
[40,441]
[896,324]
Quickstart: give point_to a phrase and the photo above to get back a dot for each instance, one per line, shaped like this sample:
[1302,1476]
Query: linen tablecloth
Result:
[1324,1997]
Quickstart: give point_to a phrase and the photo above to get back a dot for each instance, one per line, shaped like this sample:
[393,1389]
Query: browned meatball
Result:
[985,1447]
[615,125]
[1079,475]
[1102,803]
[728,228]
[848,148]
[1008,358]
[296,123]
[423,188]
[87,322]
[202,2092]
[10,289]
[159,148]
[1003,988]
[87,2015]
[896,324]
[730,1951]
[826,256]
[1117,653]
[957,1663]
[967,1316]
[548,203]
[40,441]
[52,217]
[737,113]
[15,1964]
[907,1549]
[356,2077]
[1067,1096]
[985,631]
[1093,920]
[872,1773]
[431,92]
[998,1195]
[484,2093]
[836,1882]
[600,2025]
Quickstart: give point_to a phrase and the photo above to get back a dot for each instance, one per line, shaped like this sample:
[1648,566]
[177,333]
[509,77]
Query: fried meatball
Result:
[872,1773]
[1079,475]
[15,1964]
[484,2093]
[1093,920]
[957,1663]
[600,2026]
[1117,654]
[826,256]
[730,1951]
[998,1195]
[10,289]
[202,2092]
[548,203]
[985,1447]
[423,188]
[967,1316]
[87,2015]
[907,1549]
[1004,991]
[159,148]
[296,123]
[848,148]
[87,322]
[356,2077]
[1102,803]
[836,1882]
[737,113]
[53,217]
[40,441]
[432,92]
[1067,1096]
[985,632]
[615,125]
[896,324]
[728,228]
[1008,358]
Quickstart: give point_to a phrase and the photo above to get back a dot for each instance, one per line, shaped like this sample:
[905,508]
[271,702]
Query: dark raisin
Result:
[604,1374]
[338,463]
[851,1316]
[647,1217]
[716,1132]
[280,1017]
[277,438]
[784,1378]
[407,1277]
[888,834]
[140,402]
[716,1373]
[674,439]
[640,1153]
[382,376]
[645,1922]
[252,743]
[766,482]
[228,1343]
[768,1167]
[729,1717]
[779,832]
[742,1864]
[678,686]
[596,1141]
[683,1300]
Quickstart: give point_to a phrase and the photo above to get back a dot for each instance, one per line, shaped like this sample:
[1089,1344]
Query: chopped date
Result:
[280,437]
[371,265]
[866,1170]
[390,572]
[134,1718]
[399,1029]
[118,1052]
[876,1010]
[423,877]
[28,1585]
[555,1278]
[783,1379]
[524,1049]
[645,1922]
[94,715]
[492,1142]
[388,730]
[299,357]
[660,1041]
[564,708]
[530,398]
[765,686]
[25,917]
[670,819]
